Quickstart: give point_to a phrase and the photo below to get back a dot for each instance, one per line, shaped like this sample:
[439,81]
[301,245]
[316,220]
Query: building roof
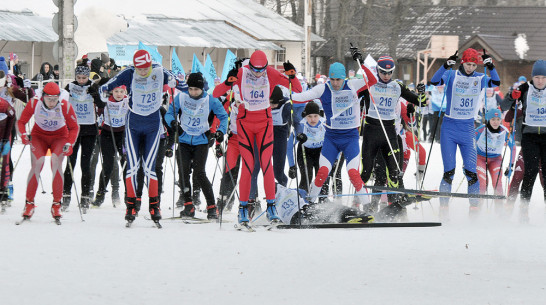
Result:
[160,30]
[249,16]
[25,26]
[495,26]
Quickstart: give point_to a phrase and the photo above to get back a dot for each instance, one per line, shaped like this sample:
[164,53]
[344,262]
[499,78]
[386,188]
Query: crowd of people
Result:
[258,117]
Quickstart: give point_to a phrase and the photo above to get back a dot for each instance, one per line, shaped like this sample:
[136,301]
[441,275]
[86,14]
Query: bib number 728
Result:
[148,98]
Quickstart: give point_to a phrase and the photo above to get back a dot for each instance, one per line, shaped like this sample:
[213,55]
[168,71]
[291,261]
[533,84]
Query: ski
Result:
[274,224]
[435,193]
[361,225]
[245,226]
[20,222]
[157,224]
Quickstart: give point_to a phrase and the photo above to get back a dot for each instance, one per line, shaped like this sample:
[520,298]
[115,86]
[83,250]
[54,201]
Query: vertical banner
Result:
[229,64]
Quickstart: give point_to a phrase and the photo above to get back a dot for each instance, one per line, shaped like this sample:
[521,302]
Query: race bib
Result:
[83,105]
[464,97]
[345,110]
[147,92]
[49,119]
[535,114]
[386,101]
[255,91]
[195,113]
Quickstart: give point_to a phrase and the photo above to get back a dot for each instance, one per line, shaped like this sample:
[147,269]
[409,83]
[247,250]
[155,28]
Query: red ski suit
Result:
[256,125]
[52,130]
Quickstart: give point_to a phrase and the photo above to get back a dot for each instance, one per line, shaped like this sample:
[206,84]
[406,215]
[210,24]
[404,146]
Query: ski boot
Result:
[212,212]
[272,211]
[29,210]
[196,197]
[130,212]
[188,211]
[155,212]
[180,201]
[242,218]
[389,213]
[56,211]
[138,204]
[99,199]
[66,202]
[85,203]
[115,197]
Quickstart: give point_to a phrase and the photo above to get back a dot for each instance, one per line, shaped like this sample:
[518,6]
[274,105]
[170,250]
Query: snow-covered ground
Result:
[99,261]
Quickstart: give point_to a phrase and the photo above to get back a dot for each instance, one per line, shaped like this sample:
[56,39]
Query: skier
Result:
[490,156]
[112,137]
[84,98]
[256,82]
[55,128]
[309,144]
[462,93]
[7,119]
[280,111]
[380,136]
[533,142]
[144,82]
[190,111]
[342,111]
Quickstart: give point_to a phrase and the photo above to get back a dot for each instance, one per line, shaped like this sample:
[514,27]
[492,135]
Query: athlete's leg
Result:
[38,150]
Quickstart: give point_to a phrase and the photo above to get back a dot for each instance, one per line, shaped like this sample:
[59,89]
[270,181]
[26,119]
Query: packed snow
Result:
[99,261]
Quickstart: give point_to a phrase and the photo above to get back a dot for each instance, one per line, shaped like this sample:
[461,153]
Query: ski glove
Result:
[421,88]
[67,149]
[231,77]
[289,69]
[292,172]
[507,171]
[219,136]
[219,151]
[169,152]
[302,138]
[451,61]
[5,147]
[488,61]
[26,83]
[410,109]
[516,94]
[176,127]
[357,56]
[26,138]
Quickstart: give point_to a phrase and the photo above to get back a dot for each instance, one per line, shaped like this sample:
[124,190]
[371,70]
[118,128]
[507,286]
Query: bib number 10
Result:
[466,102]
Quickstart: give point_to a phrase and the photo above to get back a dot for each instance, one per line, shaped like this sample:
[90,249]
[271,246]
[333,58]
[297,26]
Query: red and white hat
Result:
[142,59]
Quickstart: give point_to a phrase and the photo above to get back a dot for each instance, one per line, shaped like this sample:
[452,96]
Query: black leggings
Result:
[194,157]
[312,156]
[88,144]
[533,149]
[108,150]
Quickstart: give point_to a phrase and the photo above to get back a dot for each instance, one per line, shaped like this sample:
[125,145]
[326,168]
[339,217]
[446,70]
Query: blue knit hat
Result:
[493,113]
[3,65]
[539,68]
[385,63]
[337,70]
[522,79]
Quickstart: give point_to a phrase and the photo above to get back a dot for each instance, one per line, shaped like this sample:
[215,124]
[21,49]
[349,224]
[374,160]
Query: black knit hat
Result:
[196,80]
[276,96]
[310,108]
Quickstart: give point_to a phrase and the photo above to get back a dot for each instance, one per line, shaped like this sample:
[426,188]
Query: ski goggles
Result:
[384,72]
[50,98]
[257,70]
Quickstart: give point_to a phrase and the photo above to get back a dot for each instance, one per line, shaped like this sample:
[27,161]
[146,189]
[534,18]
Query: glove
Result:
[488,61]
[26,139]
[289,69]
[507,171]
[165,98]
[176,127]
[5,147]
[451,61]
[169,152]
[93,92]
[26,83]
[421,88]
[219,136]
[410,109]
[292,172]
[516,94]
[355,53]
[67,149]
[422,98]
[219,151]
[231,77]
[302,138]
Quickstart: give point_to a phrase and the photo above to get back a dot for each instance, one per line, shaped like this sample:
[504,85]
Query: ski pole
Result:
[485,113]
[75,188]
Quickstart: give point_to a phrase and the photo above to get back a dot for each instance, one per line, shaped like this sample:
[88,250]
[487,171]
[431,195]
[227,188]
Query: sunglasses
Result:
[385,72]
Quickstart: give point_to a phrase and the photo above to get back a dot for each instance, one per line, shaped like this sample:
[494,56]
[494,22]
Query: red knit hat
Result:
[52,89]
[470,55]
[142,59]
